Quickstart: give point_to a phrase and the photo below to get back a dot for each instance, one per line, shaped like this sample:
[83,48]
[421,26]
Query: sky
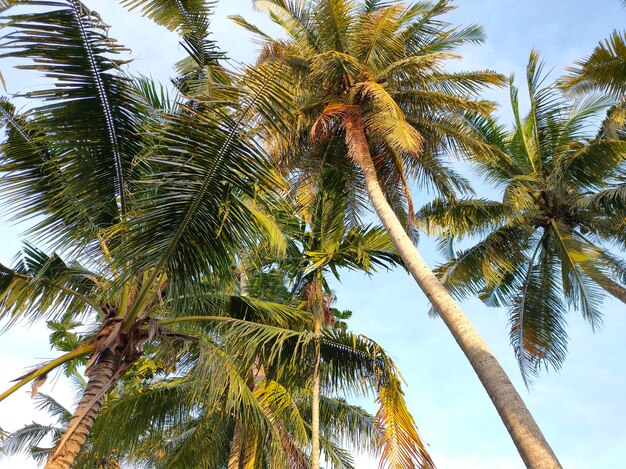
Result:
[580,408]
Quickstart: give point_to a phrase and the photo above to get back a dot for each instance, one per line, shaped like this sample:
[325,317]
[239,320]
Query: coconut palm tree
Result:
[365,86]
[273,427]
[140,196]
[544,247]
[328,240]
[162,378]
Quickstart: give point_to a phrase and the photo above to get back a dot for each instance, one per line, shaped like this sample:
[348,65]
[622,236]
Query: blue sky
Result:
[580,409]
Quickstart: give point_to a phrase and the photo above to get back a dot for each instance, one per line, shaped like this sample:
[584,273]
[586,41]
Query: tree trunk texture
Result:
[234,460]
[104,370]
[524,431]
[315,400]
[614,289]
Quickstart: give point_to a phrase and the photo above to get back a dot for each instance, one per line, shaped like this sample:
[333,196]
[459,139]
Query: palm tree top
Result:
[383,67]
[546,245]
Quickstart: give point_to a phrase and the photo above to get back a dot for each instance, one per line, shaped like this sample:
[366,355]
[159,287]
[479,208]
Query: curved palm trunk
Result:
[526,435]
[315,401]
[63,457]
[614,289]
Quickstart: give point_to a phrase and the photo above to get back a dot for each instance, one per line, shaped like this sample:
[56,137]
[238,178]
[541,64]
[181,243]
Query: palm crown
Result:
[546,244]
[382,67]
[365,87]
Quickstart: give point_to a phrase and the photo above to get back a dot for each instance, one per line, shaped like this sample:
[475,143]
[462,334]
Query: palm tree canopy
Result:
[383,65]
[137,190]
[547,244]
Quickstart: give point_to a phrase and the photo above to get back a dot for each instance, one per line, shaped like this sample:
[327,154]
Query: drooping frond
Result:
[355,359]
[40,285]
[85,128]
[537,319]
[402,448]
[579,290]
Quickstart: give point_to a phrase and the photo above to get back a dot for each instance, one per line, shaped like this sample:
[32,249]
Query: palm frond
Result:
[172,14]
[537,318]
[89,114]
[41,284]
[604,69]
[401,445]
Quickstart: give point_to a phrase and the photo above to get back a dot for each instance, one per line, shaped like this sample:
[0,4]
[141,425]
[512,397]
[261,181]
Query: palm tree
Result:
[180,415]
[365,87]
[189,381]
[140,195]
[320,242]
[544,247]
[328,240]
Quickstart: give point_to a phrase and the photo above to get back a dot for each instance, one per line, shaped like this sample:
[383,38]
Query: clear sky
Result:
[581,409]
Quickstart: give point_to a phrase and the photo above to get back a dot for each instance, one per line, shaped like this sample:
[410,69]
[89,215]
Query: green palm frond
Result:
[87,120]
[333,21]
[579,290]
[194,208]
[537,321]
[376,40]
[485,269]
[349,424]
[41,284]
[612,199]
[335,454]
[461,218]
[591,164]
[27,440]
[604,69]
[172,14]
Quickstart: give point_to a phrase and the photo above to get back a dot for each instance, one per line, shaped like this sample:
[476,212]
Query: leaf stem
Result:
[84,350]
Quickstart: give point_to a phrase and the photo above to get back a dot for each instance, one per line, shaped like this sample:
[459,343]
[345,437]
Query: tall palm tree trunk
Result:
[63,456]
[614,289]
[526,435]
[315,400]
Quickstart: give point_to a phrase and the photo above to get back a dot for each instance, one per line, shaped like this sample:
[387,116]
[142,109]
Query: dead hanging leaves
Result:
[39,381]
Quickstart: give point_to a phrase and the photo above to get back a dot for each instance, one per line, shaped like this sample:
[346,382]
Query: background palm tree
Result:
[545,246]
[366,88]
[327,240]
[194,418]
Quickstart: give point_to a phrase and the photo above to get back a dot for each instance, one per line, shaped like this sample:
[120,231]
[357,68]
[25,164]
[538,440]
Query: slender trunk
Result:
[524,431]
[104,370]
[234,460]
[315,400]
[614,289]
